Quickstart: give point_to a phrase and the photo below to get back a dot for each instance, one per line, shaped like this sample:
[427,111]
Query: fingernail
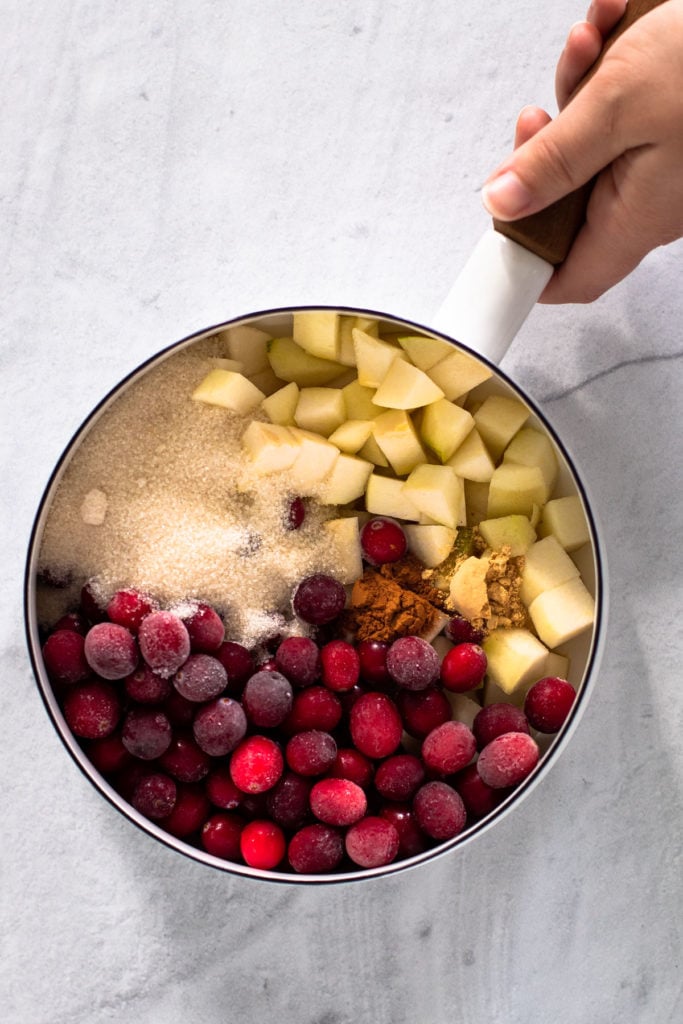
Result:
[506,196]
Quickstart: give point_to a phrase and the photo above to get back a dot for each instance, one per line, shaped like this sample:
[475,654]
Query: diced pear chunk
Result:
[385,496]
[373,357]
[290,362]
[373,453]
[248,345]
[444,427]
[320,410]
[345,536]
[317,331]
[565,519]
[266,381]
[271,447]
[476,501]
[315,460]
[279,407]
[563,612]
[219,363]
[351,435]
[515,532]
[557,665]
[516,659]
[347,353]
[406,387]
[439,493]
[230,390]
[471,459]
[346,482]
[424,352]
[546,566]
[458,373]
[430,543]
[498,419]
[514,490]
[530,447]
[395,434]
[358,402]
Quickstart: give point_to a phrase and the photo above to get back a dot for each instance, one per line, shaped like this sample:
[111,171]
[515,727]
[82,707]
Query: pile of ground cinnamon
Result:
[394,600]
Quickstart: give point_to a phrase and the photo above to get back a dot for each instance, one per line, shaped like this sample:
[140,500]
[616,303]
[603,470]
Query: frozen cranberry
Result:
[128,777]
[508,759]
[375,725]
[189,813]
[295,514]
[411,840]
[184,760]
[423,710]
[372,842]
[461,631]
[313,708]
[262,844]
[463,668]
[205,627]
[439,810]
[287,803]
[164,642]
[351,764]
[479,799]
[92,709]
[179,711]
[220,836]
[93,605]
[200,678]
[110,650]
[340,665]
[108,754]
[267,699]
[382,540]
[146,687]
[298,658]
[256,764]
[548,703]
[267,665]
[319,599]
[311,752]
[146,733]
[128,608]
[448,748]
[64,657]
[495,719]
[155,795]
[413,663]
[338,801]
[373,662]
[315,849]
[221,790]
[238,662]
[399,777]
[219,726]
[73,621]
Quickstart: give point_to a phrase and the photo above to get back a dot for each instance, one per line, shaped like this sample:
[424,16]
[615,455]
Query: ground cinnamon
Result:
[381,609]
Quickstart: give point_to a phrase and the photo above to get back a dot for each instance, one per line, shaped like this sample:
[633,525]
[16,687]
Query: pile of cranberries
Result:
[308,755]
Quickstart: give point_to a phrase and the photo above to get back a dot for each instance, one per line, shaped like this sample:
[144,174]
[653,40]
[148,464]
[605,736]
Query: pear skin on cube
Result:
[515,532]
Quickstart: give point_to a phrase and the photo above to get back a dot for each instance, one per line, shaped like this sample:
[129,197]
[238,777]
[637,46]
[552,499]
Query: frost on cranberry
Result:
[146,687]
[548,703]
[128,608]
[219,726]
[298,658]
[399,777]
[507,760]
[375,725]
[439,810]
[200,678]
[164,642]
[338,801]
[92,709]
[315,849]
[311,753]
[262,844]
[372,842]
[110,650]
[413,663]
[146,733]
[319,599]
[382,540]
[64,657]
[256,764]
[267,699]
[448,748]
[496,719]
[154,795]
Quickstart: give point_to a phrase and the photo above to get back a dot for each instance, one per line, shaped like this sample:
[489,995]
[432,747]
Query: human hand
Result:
[625,125]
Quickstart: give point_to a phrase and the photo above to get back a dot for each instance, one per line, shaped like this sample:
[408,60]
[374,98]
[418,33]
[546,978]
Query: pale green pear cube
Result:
[406,387]
[290,362]
[557,665]
[385,496]
[358,402]
[444,427]
[516,659]
[430,543]
[248,345]
[271,447]
[530,447]
[424,352]
[563,612]
[373,453]
[565,519]
[229,390]
[458,373]
[351,435]
[373,357]
[546,566]
[279,407]
[347,353]
[515,532]
[439,493]
[313,463]
[476,501]
[395,434]
[498,419]
[220,363]
[346,482]
[317,331]
[514,490]
[472,460]
[345,539]
[321,410]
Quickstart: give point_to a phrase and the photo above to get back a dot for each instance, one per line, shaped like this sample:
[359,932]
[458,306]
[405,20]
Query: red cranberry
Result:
[298,658]
[128,608]
[205,627]
[319,599]
[155,796]
[184,760]
[495,719]
[238,662]
[179,711]
[338,801]
[220,836]
[548,703]
[93,605]
[295,514]
[146,687]
[399,777]
[262,844]
[372,842]
[463,668]
[311,752]
[267,699]
[351,764]
[201,677]
[439,810]
[189,814]
[423,710]
[64,657]
[73,621]
[219,726]
[221,790]
[382,540]
[313,708]
[287,803]
[146,733]
[110,650]
[92,709]
[373,662]
[448,748]
[340,665]
[375,725]
[315,849]
[108,754]
[256,764]
[411,840]
[413,663]
[479,799]
[164,642]
[508,759]
[461,631]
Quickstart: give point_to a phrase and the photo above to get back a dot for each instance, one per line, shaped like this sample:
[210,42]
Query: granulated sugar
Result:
[179,514]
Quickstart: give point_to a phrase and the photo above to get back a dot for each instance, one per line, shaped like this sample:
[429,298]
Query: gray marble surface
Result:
[166,166]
